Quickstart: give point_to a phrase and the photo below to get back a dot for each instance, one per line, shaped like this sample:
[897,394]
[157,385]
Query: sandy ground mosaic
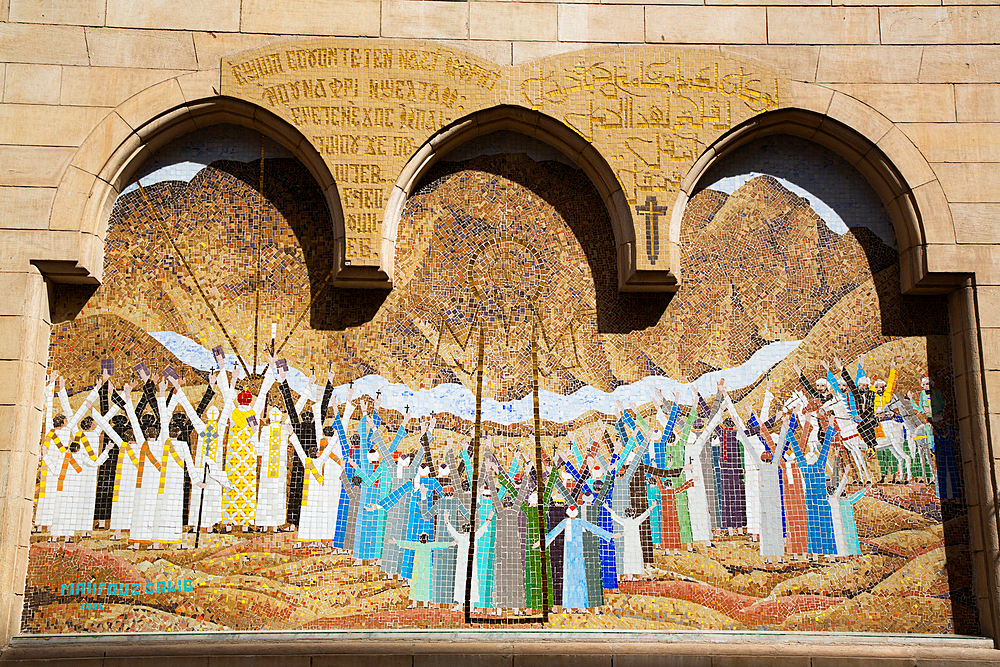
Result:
[233,442]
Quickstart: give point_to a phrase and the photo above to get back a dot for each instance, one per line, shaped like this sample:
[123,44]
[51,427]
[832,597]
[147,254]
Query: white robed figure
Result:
[316,505]
[208,511]
[147,481]
[272,448]
[89,438]
[701,519]
[55,443]
[73,484]
[168,518]
[126,470]
[632,563]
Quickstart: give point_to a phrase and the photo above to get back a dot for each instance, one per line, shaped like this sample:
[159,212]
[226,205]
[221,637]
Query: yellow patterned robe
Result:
[241,464]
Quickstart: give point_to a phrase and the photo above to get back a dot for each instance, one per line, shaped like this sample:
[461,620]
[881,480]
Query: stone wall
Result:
[923,75]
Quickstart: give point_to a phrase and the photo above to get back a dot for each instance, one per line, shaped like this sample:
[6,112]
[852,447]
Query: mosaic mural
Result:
[367,108]
[233,442]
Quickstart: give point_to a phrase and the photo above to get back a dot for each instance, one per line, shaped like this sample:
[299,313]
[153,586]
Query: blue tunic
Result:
[485,552]
[574,566]
[819,518]
[370,523]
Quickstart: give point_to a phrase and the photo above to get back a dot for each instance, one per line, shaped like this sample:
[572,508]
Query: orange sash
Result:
[168,453]
[126,448]
[81,437]
[145,453]
[68,460]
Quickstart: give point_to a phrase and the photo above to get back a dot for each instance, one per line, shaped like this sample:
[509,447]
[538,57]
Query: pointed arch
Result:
[549,131]
[117,148]
[886,158]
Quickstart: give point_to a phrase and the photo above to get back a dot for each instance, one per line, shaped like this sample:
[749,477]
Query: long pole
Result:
[201,505]
[543,555]
[475,477]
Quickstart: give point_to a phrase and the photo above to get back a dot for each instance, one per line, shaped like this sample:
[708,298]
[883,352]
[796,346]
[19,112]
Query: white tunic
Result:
[125,472]
[272,448]
[209,453]
[168,519]
[54,443]
[147,479]
[313,523]
[701,519]
[87,492]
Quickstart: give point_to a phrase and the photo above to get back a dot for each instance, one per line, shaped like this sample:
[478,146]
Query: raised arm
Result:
[196,421]
[840,487]
[161,403]
[84,407]
[645,515]
[49,401]
[301,453]
[265,386]
[806,384]
[108,431]
[827,441]
[286,396]
[327,395]
[206,398]
[486,525]
[790,437]
[133,420]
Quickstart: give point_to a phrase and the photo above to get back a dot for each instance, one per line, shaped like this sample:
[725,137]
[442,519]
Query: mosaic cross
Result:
[652,213]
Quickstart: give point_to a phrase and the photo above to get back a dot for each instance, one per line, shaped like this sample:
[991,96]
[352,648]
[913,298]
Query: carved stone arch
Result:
[909,189]
[549,131]
[127,137]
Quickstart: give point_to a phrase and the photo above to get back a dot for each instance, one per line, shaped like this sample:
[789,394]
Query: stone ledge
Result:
[516,647]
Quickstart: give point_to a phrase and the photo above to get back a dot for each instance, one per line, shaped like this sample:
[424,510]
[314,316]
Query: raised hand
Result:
[162,386]
[837,362]
[825,365]
[798,369]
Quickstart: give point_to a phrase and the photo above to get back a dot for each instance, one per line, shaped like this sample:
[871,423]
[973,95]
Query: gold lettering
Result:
[371,198]
[258,68]
[362,223]
[338,144]
[360,248]
[357,173]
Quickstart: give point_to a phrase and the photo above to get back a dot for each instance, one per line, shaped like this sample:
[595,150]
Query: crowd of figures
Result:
[661,474]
